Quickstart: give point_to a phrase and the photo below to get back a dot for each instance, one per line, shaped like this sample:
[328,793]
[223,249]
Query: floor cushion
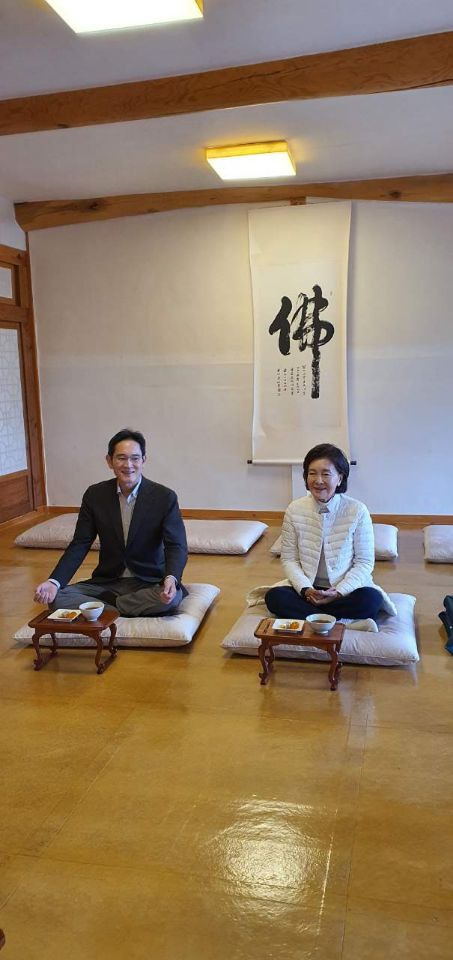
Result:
[385,542]
[203,536]
[171,631]
[223,536]
[53,534]
[394,645]
[438,541]
[276,547]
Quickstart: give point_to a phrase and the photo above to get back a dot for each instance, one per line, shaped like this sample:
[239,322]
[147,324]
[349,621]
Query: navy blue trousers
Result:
[361,603]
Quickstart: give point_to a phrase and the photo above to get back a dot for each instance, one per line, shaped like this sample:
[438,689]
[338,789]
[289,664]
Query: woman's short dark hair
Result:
[127,434]
[336,456]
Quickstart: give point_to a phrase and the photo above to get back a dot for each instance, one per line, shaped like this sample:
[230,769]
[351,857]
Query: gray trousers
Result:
[129,595]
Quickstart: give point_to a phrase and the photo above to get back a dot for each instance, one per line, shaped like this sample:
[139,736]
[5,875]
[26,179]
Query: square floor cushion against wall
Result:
[438,543]
[203,536]
[385,542]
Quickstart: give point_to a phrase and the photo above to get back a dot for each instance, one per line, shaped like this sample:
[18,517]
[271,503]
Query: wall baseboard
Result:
[405,521]
[193,514]
[412,521]
[41,513]
[266,516]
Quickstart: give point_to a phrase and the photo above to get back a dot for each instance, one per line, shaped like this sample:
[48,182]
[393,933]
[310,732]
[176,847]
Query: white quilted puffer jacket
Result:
[347,533]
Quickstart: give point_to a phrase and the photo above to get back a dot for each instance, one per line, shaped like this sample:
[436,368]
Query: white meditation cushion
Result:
[53,534]
[438,541]
[385,542]
[395,643]
[203,536]
[171,631]
[223,536]
[276,548]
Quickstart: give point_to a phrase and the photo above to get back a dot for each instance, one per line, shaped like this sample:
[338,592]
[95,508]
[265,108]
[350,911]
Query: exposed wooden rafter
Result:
[437,188]
[408,64]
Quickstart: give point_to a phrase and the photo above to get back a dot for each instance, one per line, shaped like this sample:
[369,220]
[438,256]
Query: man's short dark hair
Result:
[327,451]
[127,434]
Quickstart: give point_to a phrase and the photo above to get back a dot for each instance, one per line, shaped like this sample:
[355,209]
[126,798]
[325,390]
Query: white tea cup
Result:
[92,609]
[321,622]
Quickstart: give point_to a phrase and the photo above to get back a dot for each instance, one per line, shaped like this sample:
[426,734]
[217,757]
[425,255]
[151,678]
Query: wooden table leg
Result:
[41,661]
[335,668]
[101,667]
[112,648]
[100,646]
[266,662]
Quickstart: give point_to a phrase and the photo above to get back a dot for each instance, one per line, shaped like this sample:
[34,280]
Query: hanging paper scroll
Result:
[299,268]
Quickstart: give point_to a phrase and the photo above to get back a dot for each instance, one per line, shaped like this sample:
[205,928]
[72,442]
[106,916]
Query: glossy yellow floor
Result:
[174,809]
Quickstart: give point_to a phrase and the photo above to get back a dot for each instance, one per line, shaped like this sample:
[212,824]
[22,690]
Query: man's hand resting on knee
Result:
[46,592]
[168,590]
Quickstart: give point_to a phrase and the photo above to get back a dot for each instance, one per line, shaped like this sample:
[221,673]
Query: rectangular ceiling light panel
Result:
[88,16]
[252,161]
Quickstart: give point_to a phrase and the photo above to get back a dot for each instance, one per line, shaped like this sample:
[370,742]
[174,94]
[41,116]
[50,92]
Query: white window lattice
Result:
[13,451]
[6,283]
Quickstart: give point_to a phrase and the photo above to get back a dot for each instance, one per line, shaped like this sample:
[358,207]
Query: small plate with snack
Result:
[288,625]
[67,615]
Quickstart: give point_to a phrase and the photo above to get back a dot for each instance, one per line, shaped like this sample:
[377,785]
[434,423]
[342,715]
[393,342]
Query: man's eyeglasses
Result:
[135,460]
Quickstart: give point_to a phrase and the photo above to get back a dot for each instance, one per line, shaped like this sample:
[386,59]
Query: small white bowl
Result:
[92,609]
[321,622]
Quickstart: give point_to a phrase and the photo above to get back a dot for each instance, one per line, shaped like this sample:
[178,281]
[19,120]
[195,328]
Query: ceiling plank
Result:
[408,64]
[436,188]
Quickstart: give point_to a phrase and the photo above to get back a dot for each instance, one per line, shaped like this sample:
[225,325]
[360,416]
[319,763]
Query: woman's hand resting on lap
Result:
[321,597]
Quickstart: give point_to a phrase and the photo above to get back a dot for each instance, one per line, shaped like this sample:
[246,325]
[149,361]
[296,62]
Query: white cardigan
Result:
[347,533]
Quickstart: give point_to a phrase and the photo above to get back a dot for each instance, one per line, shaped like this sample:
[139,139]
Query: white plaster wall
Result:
[10,233]
[148,322]
[401,357]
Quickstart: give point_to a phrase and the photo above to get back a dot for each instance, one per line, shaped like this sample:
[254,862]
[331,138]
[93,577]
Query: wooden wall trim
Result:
[33,517]
[413,521]
[197,514]
[12,255]
[13,476]
[407,521]
[32,391]
[19,316]
[39,215]
[10,313]
[266,516]
[407,64]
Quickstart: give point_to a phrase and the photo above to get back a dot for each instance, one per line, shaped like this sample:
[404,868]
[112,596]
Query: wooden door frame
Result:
[21,316]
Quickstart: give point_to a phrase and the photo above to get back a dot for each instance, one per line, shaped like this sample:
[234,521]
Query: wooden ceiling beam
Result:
[424,61]
[436,188]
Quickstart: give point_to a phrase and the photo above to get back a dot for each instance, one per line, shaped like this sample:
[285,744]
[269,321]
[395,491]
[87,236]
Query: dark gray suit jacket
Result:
[156,544]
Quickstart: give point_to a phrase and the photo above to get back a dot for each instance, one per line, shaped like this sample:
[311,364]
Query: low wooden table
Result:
[88,628]
[331,642]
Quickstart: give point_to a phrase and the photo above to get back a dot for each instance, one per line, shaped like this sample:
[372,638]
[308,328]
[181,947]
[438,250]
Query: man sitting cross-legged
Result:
[143,547]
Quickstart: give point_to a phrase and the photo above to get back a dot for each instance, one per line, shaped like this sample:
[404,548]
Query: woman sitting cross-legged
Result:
[328,549]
